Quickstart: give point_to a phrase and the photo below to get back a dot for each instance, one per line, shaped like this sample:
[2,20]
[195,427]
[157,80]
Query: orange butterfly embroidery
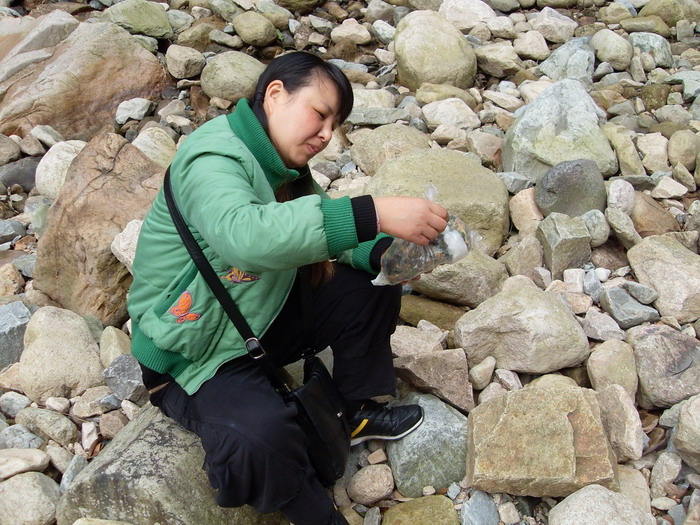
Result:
[182,309]
[239,276]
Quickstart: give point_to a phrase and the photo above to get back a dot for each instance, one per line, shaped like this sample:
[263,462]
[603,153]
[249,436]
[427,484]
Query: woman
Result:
[243,186]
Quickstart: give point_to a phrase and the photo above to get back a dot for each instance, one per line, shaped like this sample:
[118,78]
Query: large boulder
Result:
[23,39]
[470,192]
[372,148]
[673,271]
[562,124]
[152,473]
[140,17]
[108,184]
[561,443]
[672,11]
[60,358]
[100,62]
[231,75]
[668,365]
[423,58]
[525,329]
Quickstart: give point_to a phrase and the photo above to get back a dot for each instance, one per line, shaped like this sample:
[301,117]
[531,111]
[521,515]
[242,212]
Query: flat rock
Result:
[626,310]
[407,341]
[466,15]
[597,505]
[554,26]
[650,217]
[429,510]
[480,509]
[668,365]
[573,59]
[48,424]
[414,308]
[565,419]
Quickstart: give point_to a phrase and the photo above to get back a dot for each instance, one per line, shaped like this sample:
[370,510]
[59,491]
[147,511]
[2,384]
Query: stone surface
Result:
[612,48]
[14,318]
[499,60]
[151,472]
[29,499]
[626,311]
[633,484]
[414,308]
[370,484]
[53,167]
[613,363]
[621,421]
[572,187]
[231,75]
[371,149]
[687,438]
[565,242]
[452,112]
[466,15]
[255,29]
[542,334]
[597,505]
[651,218]
[140,17]
[480,509]
[562,124]
[554,26]
[123,377]
[184,62]
[673,271]
[667,365]
[15,461]
[573,60]
[568,423]
[60,356]
[48,424]
[435,453]
[431,509]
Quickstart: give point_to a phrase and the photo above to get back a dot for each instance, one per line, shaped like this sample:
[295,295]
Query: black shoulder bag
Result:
[321,412]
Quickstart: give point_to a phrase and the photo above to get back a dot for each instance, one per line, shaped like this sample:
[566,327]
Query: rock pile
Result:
[558,364]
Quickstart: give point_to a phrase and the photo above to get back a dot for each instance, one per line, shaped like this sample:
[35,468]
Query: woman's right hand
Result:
[410,218]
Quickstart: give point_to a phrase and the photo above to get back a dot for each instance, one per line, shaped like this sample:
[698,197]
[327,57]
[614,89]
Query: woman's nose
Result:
[326,131]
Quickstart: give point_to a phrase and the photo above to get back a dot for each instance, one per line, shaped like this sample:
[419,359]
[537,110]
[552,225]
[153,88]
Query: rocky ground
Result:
[558,364]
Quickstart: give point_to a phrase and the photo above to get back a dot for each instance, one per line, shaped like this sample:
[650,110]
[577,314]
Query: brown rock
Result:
[111,423]
[11,281]
[610,255]
[100,62]
[92,280]
[651,218]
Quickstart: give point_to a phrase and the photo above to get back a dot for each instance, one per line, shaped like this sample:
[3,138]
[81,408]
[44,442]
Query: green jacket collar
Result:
[247,127]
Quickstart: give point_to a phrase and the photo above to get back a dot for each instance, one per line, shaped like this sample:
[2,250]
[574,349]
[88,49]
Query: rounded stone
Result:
[621,195]
[184,62]
[254,29]
[683,147]
[231,76]
[572,187]
[613,49]
[371,484]
[598,227]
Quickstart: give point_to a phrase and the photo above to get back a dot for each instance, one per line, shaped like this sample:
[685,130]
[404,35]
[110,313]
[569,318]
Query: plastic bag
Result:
[404,260]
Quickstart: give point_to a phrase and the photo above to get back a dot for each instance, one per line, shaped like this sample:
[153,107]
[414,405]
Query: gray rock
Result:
[612,48]
[47,135]
[22,172]
[123,377]
[29,498]
[565,242]
[479,509]
[499,60]
[12,402]
[515,182]
[524,258]
[674,113]
[14,318]
[179,20]
[154,466]
[76,465]
[48,424]
[562,124]
[666,470]
[623,227]
[231,75]
[226,9]
[254,28]
[601,327]
[643,294]
[9,150]
[596,505]
[140,17]
[622,423]
[25,264]
[687,437]
[625,309]
[572,187]
[574,60]
[372,148]
[668,365]
[19,436]
[598,227]
[656,45]
[592,286]
[435,453]
[621,195]
[377,116]
[184,62]
[613,363]
[550,340]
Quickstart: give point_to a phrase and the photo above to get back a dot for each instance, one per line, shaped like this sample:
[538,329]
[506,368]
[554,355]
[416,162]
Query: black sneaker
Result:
[376,421]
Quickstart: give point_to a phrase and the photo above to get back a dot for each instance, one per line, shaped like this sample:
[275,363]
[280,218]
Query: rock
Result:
[434,453]
[633,484]
[621,422]
[60,356]
[562,124]
[499,60]
[525,214]
[9,150]
[415,49]
[350,29]
[596,505]
[437,510]
[668,267]
[453,112]
[682,148]
[687,438]
[135,108]
[531,44]
[371,484]
[621,195]
[667,188]
[654,147]
[665,471]
[20,172]
[467,282]
[672,11]
[665,365]
[565,242]
[28,499]
[656,45]
[113,343]
[156,144]
[231,75]
[651,218]
[123,377]
[623,227]
[646,24]
[428,93]
[151,463]
[11,281]
[597,226]
[377,116]
[12,402]
[443,373]
[255,29]
[19,436]
[474,194]
[621,140]
[690,81]
[572,188]
[179,20]
[626,310]
[613,363]
[480,374]
[15,461]
[124,244]
[48,424]
[53,167]
[415,308]
[140,17]
[14,318]
[76,464]
[554,26]
[370,150]
[91,268]
[542,334]
[480,509]
[466,15]
[184,62]
[562,418]
[524,257]
[613,49]
[573,60]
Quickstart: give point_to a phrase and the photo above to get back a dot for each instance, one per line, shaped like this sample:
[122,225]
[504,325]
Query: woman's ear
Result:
[275,90]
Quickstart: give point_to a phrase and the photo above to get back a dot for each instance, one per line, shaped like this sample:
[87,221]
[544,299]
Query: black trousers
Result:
[255,451]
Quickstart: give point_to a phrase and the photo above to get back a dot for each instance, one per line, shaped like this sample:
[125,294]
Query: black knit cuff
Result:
[375,256]
[365,217]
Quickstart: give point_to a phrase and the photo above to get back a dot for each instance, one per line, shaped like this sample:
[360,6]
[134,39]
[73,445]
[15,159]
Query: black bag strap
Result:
[252,344]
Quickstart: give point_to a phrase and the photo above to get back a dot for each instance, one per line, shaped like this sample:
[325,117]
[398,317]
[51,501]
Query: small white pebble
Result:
[428,491]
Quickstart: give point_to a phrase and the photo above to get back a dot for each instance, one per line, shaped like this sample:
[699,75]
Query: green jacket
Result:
[224,178]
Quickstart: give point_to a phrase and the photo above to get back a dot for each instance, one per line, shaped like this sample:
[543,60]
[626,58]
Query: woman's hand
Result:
[410,218]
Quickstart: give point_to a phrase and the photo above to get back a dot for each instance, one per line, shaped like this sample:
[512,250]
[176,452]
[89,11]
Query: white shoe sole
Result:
[359,440]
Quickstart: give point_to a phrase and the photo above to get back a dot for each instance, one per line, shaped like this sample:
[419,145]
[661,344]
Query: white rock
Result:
[124,243]
[667,188]
[481,373]
[531,44]
[371,484]
[352,30]
[666,470]
[29,499]
[52,168]
[15,461]
[554,26]
[622,423]
[492,391]
[135,108]
[508,380]
[466,14]
[621,196]
[596,505]
[687,437]
[531,89]
[633,484]
[450,111]
[612,48]
[156,144]
[184,62]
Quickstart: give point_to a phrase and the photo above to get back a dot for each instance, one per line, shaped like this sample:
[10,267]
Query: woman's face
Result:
[301,124]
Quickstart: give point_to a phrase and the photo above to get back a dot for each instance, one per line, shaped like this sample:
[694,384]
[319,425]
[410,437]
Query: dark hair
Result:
[295,70]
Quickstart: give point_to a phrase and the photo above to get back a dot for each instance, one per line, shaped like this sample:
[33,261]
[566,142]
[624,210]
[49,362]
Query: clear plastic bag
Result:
[404,260]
